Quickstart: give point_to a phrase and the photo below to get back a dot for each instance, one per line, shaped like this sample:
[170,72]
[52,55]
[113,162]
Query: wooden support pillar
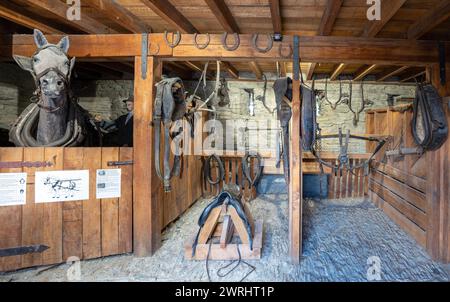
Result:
[146,203]
[295,179]
[438,185]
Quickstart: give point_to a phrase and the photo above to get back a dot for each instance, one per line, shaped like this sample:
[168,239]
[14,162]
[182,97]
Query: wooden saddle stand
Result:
[225,235]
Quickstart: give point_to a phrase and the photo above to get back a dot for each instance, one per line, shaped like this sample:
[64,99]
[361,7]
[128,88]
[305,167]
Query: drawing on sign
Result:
[62,188]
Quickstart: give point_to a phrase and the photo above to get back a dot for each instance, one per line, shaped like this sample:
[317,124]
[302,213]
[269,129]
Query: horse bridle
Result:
[64,77]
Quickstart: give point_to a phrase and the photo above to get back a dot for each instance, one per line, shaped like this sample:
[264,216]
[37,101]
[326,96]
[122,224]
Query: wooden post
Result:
[295,180]
[437,190]
[146,197]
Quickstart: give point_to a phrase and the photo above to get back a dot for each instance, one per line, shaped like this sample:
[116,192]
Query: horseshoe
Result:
[175,42]
[255,43]
[156,52]
[208,39]
[280,51]
[237,41]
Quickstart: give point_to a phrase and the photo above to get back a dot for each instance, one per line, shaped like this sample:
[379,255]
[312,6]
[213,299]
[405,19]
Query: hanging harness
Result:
[429,123]
[169,107]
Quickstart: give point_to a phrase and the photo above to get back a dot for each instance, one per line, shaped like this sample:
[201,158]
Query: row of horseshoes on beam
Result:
[237,41]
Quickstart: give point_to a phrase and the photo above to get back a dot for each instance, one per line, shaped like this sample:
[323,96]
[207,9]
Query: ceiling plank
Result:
[223,14]
[364,72]
[310,74]
[171,15]
[329,17]
[230,69]
[337,71]
[256,69]
[434,17]
[391,73]
[276,16]
[59,9]
[120,15]
[16,17]
[388,10]
[411,77]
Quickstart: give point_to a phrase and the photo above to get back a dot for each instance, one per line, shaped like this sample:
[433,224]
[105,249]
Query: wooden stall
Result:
[413,190]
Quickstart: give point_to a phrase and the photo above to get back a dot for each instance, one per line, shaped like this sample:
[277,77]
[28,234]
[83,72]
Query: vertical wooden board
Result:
[52,214]
[227,170]
[32,213]
[338,184]
[331,186]
[295,181]
[234,179]
[147,197]
[72,218]
[350,181]
[126,203]
[10,216]
[110,211]
[370,129]
[344,183]
[92,245]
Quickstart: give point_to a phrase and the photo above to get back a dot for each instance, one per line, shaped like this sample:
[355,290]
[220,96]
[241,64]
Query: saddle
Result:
[169,107]
[429,123]
[226,198]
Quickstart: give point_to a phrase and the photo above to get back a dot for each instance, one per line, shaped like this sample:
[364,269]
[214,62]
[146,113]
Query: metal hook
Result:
[175,42]
[237,41]
[208,39]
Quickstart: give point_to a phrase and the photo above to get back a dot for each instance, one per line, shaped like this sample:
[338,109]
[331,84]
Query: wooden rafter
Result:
[388,10]
[310,73]
[120,15]
[276,16]
[171,15]
[329,17]
[230,69]
[11,13]
[362,73]
[256,69]
[59,9]
[337,71]
[411,77]
[223,14]
[330,14]
[391,73]
[431,19]
[193,66]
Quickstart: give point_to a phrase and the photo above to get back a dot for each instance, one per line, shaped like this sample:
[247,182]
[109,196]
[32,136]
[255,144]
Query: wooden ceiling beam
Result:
[11,13]
[117,13]
[388,10]
[310,73]
[391,73]
[363,72]
[276,16]
[171,15]
[337,71]
[329,17]
[194,66]
[59,9]
[413,76]
[230,69]
[223,14]
[256,69]
[433,18]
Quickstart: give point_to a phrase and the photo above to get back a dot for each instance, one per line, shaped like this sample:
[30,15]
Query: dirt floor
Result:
[339,238]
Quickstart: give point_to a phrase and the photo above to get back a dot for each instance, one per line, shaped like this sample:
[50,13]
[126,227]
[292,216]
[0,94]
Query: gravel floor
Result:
[339,237]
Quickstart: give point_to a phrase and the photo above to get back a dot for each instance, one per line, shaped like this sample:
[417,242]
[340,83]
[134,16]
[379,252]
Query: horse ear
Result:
[64,44]
[24,63]
[72,64]
[39,38]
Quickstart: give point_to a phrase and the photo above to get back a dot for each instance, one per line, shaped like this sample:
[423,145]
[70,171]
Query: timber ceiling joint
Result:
[171,15]
[430,20]
[276,16]
[223,15]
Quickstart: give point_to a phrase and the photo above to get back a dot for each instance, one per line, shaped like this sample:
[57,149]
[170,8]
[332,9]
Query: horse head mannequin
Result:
[53,111]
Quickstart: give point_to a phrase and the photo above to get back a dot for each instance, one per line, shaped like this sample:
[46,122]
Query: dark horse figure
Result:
[54,119]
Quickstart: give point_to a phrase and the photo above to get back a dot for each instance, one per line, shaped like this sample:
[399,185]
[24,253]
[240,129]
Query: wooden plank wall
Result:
[86,229]
[398,184]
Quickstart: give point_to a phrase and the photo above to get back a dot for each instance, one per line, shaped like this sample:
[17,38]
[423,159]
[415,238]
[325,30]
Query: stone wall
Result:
[329,120]
[98,97]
